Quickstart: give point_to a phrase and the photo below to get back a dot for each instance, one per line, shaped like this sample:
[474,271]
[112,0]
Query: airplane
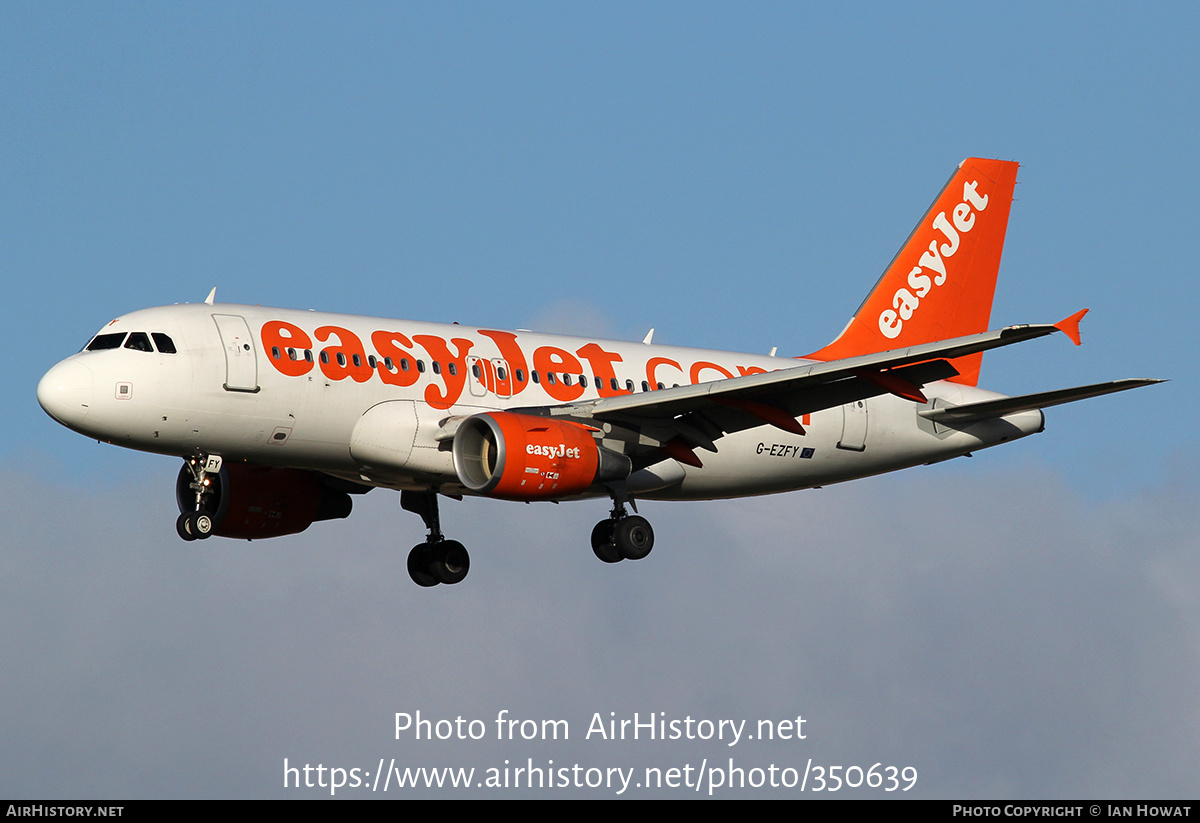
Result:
[282,416]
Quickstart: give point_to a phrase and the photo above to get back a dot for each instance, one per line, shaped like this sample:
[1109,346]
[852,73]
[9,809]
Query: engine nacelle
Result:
[522,457]
[252,502]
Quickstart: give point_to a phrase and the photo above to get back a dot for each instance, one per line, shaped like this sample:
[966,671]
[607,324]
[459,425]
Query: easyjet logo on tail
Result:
[930,270]
[941,283]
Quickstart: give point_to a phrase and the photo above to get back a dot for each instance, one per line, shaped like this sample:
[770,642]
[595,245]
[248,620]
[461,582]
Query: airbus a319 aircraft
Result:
[281,416]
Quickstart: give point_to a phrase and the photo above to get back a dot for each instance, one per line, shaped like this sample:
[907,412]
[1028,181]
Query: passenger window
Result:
[275,353]
[106,341]
[370,360]
[629,386]
[292,355]
[567,379]
[501,373]
[139,341]
[437,367]
[404,364]
[476,372]
[357,360]
[308,355]
[421,366]
[534,376]
[645,386]
[520,376]
[452,368]
[165,344]
[550,377]
[324,356]
[341,358]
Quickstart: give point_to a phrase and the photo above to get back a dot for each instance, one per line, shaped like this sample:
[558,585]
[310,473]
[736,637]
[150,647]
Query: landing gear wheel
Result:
[633,537]
[184,526]
[201,524]
[449,561]
[602,542]
[418,566]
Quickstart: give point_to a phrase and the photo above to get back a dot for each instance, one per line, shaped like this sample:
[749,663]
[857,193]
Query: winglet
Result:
[1070,326]
[211,295]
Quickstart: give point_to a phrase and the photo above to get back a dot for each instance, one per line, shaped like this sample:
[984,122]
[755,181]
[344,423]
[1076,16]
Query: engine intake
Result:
[522,457]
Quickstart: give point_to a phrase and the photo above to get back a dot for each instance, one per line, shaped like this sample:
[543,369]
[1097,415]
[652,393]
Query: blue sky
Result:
[734,175]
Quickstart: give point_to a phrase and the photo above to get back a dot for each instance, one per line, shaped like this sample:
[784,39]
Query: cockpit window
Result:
[106,341]
[139,341]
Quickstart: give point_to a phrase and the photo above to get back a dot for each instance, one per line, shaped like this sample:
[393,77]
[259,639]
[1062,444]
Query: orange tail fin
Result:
[942,281]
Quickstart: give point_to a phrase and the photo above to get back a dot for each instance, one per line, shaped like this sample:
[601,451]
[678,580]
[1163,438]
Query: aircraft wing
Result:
[683,417]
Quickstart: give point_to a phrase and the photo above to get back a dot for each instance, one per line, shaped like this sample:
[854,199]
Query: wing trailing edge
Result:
[769,385]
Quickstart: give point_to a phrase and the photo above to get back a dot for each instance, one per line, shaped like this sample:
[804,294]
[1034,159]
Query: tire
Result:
[201,524]
[418,566]
[183,526]
[450,562]
[602,542]
[633,537]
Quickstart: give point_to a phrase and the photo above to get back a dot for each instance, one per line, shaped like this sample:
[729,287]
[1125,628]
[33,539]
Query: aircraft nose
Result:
[65,392]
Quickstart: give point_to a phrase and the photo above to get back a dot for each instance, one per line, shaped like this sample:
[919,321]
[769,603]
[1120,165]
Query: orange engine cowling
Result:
[252,502]
[522,457]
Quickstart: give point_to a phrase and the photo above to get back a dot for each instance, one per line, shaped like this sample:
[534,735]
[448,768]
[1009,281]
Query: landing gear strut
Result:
[622,536]
[437,560]
[198,524]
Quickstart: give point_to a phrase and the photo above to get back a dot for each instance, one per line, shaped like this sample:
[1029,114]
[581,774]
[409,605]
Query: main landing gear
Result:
[437,560]
[622,536]
[198,524]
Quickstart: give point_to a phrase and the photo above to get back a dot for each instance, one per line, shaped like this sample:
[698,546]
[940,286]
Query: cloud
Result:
[575,317]
[992,630]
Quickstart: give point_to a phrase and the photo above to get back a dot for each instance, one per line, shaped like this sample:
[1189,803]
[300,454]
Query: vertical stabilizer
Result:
[941,283]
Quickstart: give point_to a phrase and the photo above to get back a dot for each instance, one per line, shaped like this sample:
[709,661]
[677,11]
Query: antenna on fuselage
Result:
[649,337]
[212,294]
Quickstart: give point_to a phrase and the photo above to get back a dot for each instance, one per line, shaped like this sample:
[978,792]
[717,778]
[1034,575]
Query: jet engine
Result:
[522,457]
[251,502]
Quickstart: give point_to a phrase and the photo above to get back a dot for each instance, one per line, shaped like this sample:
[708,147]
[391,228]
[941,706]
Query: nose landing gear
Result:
[198,524]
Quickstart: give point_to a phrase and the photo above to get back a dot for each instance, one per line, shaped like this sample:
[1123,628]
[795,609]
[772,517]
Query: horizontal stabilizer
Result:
[1010,405]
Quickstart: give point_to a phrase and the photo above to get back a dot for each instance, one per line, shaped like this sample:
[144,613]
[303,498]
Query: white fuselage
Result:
[292,388]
